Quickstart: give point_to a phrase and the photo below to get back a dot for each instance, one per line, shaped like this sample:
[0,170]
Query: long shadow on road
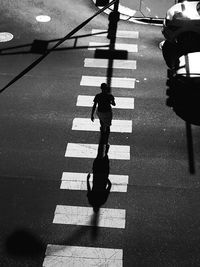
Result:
[39,47]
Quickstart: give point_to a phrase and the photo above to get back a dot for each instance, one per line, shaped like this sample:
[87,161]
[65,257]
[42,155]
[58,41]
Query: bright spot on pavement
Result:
[5,36]
[43,18]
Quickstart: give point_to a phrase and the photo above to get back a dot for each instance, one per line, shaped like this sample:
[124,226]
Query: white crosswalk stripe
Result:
[76,256]
[121,102]
[84,124]
[115,82]
[79,150]
[103,63]
[112,218]
[131,48]
[77,181]
[120,34]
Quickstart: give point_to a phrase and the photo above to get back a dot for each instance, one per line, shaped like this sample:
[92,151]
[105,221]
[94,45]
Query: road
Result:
[148,8]
[156,217]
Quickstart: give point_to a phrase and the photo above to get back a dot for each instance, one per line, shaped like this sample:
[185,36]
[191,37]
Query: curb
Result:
[128,15]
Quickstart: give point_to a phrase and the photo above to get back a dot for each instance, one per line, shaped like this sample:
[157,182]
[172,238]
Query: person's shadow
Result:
[98,193]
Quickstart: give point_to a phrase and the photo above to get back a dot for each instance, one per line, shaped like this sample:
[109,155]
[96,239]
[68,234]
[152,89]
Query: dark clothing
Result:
[104,102]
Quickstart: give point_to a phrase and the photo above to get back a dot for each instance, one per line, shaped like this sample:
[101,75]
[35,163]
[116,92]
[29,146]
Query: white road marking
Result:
[121,102]
[103,63]
[43,18]
[76,256]
[78,181]
[112,218]
[131,48]
[82,150]
[120,34]
[85,124]
[115,82]
[6,37]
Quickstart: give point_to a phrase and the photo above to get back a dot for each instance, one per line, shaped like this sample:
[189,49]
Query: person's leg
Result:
[107,133]
[103,127]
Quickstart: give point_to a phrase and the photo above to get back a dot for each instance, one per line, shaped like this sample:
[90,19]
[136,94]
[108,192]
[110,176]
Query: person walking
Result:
[103,102]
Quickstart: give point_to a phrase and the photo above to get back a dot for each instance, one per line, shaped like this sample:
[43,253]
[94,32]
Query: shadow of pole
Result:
[112,30]
[41,46]
[190,148]
[47,52]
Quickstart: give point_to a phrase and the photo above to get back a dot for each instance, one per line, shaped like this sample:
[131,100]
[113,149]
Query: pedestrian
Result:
[104,100]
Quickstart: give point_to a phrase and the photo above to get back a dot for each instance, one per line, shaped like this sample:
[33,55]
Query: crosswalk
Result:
[78,256]
[115,81]
[76,181]
[103,63]
[131,48]
[57,255]
[78,150]
[114,218]
[121,102]
[85,124]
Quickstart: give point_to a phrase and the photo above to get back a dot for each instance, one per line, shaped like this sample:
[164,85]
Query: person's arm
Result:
[88,183]
[93,110]
[109,185]
[113,101]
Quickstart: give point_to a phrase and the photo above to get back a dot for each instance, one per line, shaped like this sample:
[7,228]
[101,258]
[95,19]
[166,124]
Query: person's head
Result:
[104,88]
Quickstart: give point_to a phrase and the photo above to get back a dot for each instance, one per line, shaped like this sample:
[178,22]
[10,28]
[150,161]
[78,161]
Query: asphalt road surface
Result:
[148,8]
[151,216]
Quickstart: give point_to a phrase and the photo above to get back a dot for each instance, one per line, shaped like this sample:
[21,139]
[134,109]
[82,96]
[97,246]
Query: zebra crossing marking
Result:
[82,150]
[75,215]
[85,124]
[119,34]
[121,102]
[116,82]
[59,255]
[131,48]
[77,181]
[103,63]
[77,256]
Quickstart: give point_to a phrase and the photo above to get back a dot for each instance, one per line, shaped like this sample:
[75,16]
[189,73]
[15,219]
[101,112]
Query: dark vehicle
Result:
[181,18]
[184,87]
[181,51]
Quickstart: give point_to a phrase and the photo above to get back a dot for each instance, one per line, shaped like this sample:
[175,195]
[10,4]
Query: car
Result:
[189,66]
[184,88]
[182,22]
[181,51]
